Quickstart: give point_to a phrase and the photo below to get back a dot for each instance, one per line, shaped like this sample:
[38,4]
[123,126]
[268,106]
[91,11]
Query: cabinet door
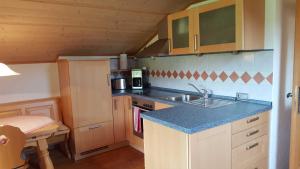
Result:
[119,119]
[211,149]
[216,26]
[180,32]
[93,136]
[134,141]
[90,92]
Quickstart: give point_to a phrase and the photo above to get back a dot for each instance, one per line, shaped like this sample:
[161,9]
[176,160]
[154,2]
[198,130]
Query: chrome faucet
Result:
[202,92]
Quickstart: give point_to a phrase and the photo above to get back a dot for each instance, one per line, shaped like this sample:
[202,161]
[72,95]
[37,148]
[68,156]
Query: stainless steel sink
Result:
[211,102]
[182,98]
[200,101]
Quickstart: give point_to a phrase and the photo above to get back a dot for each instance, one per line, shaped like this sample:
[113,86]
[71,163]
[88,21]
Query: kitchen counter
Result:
[190,118]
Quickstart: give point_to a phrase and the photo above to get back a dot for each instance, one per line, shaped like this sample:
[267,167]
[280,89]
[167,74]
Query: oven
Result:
[138,107]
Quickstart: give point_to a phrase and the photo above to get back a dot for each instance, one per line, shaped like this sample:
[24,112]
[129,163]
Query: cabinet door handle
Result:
[108,79]
[115,104]
[252,133]
[195,43]
[94,127]
[170,46]
[252,120]
[252,146]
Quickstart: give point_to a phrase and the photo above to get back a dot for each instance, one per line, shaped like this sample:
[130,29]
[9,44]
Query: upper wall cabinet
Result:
[180,32]
[227,25]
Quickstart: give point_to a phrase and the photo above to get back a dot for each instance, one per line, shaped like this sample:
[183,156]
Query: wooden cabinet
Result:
[171,149]
[86,101]
[119,119]
[239,145]
[230,25]
[250,142]
[227,25]
[180,33]
[134,141]
[94,136]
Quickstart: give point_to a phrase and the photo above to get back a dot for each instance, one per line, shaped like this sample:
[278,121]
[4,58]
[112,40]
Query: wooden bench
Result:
[43,107]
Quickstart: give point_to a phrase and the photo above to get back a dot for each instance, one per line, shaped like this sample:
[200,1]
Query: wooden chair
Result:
[12,142]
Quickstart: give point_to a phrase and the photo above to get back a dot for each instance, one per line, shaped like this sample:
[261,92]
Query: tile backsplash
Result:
[224,74]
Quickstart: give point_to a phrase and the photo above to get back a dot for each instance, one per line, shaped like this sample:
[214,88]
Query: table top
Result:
[32,126]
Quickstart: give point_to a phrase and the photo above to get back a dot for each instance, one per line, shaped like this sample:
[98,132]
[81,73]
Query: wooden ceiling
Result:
[42,30]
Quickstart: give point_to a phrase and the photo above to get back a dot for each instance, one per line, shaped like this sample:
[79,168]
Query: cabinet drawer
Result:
[94,136]
[249,134]
[261,164]
[250,152]
[249,122]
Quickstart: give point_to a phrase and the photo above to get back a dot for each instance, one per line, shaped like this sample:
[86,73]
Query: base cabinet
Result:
[119,119]
[171,149]
[239,145]
[94,136]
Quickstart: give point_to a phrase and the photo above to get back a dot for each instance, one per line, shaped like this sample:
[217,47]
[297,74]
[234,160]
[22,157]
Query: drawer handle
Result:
[252,120]
[95,127]
[252,146]
[252,133]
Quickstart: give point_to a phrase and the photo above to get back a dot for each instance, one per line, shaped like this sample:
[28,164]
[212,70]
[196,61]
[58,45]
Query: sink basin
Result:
[199,101]
[182,98]
[211,102]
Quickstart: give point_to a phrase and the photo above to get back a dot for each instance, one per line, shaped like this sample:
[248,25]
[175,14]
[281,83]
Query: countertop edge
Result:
[206,125]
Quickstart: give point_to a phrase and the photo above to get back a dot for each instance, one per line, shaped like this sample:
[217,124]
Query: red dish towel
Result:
[137,119]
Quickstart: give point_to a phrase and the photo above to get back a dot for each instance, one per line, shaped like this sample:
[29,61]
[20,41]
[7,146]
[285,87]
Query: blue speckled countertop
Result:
[191,119]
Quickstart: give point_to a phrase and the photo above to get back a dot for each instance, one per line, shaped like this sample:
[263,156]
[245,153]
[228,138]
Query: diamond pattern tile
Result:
[152,73]
[196,75]
[213,76]
[246,77]
[163,73]
[270,78]
[204,75]
[188,74]
[223,76]
[169,74]
[157,73]
[181,74]
[175,74]
[234,76]
[258,77]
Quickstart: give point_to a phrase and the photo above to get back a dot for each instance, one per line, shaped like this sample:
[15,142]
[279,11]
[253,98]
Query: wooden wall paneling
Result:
[49,107]
[106,27]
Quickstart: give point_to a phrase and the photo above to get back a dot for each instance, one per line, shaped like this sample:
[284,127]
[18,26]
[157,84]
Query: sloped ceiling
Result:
[42,30]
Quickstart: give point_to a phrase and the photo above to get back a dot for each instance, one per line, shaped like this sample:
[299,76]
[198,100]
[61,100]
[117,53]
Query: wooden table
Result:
[37,137]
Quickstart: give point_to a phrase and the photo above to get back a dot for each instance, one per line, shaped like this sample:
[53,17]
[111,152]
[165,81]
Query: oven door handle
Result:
[140,108]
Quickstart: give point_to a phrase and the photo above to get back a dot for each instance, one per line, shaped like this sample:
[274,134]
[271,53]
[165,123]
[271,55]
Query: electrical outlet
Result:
[241,96]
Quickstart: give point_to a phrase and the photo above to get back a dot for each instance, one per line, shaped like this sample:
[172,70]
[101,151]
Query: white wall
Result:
[250,62]
[36,81]
[284,35]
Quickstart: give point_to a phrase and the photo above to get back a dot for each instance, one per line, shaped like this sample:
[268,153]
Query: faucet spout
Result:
[203,94]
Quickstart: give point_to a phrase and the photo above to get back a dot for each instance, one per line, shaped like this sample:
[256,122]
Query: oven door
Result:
[138,120]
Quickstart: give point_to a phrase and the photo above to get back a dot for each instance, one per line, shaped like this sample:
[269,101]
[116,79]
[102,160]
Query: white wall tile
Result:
[250,62]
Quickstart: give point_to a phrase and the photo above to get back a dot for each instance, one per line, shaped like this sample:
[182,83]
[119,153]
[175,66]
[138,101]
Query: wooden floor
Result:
[123,158]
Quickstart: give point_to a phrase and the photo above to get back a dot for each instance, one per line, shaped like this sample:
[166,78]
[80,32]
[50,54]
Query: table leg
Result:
[43,153]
